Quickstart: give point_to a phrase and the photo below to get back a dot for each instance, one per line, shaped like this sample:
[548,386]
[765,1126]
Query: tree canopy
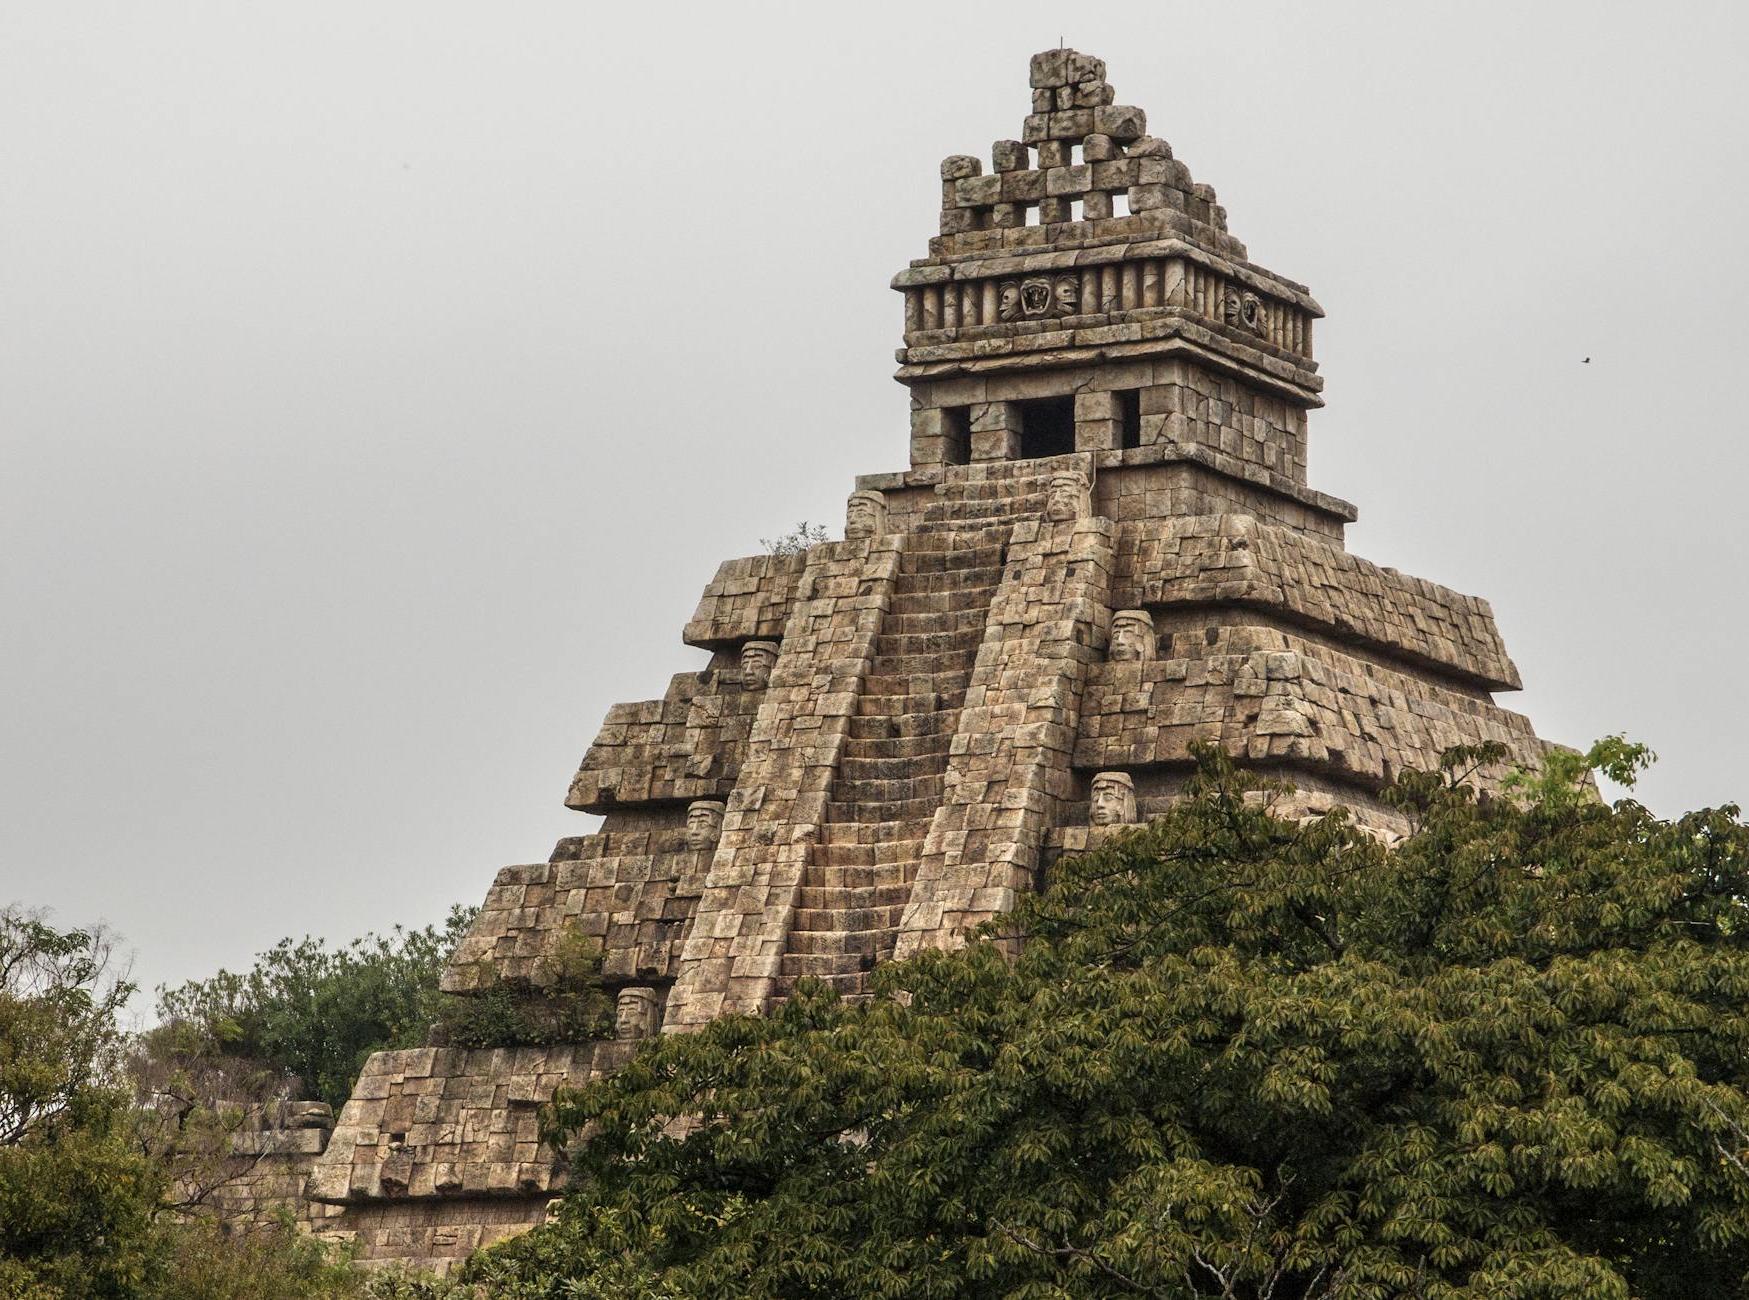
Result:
[313,1012]
[1229,1054]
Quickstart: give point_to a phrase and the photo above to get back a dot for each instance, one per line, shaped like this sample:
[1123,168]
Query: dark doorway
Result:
[1047,427]
[1129,419]
[956,424]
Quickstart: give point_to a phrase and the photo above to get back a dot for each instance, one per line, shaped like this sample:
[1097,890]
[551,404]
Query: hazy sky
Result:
[381,382]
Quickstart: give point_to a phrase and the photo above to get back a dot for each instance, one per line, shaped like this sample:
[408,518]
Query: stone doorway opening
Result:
[1047,427]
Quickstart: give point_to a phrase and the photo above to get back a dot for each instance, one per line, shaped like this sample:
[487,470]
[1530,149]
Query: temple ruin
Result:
[1103,550]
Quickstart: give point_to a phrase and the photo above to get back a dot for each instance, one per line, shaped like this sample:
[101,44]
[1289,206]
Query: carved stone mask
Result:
[1008,300]
[1231,307]
[1132,636]
[1251,312]
[865,516]
[1068,295]
[634,1013]
[757,661]
[704,825]
[1035,297]
[1114,800]
[1067,498]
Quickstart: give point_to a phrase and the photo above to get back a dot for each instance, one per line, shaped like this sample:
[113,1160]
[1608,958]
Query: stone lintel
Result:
[1171,332]
[982,266]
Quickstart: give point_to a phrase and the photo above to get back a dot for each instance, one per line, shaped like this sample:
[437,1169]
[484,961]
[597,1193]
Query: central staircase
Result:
[892,768]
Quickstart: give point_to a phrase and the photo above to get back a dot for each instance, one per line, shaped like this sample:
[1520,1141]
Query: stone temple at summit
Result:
[1103,550]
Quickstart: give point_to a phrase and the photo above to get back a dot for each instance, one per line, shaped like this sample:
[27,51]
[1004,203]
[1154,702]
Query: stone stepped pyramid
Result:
[892,768]
[1103,552]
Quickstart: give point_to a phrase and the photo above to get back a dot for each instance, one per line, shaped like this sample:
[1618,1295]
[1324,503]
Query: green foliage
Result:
[272,1262]
[76,1197]
[1235,1055]
[315,1013]
[565,1003]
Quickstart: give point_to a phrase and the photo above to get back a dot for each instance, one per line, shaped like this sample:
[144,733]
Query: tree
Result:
[77,1198]
[797,540]
[1235,1055]
[310,1014]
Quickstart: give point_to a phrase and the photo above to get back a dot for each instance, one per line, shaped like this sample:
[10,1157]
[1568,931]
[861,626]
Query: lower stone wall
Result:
[434,1236]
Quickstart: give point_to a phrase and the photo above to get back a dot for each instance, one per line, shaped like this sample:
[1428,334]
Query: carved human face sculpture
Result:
[757,659]
[865,515]
[1067,291]
[1251,312]
[634,1014]
[1008,300]
[1132,637]
[1230,306]
[704,824]
[1114,800]
[1066,499]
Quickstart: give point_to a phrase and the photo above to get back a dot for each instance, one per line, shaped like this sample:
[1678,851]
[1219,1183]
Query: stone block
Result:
[1120,121]
[1050,69]
[1068,180]
[1080,68]
[1100,148]
[977,190]
[1055,153]
[1009,156]
[1077,123]
[960,166]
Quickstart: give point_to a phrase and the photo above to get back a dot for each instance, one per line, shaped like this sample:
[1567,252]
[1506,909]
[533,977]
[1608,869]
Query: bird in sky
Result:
[1586,362]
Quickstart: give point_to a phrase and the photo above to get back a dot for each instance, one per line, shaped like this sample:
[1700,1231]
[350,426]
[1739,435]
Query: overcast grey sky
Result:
[380,382]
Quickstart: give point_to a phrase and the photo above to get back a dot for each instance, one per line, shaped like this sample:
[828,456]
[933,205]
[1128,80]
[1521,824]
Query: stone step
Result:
[947,542]
[940,602]
[930,766]
[1008,505]
[888,875]
[891,663]
[885,841]
[961,641]
[878,725]
[951,682]
[882,810]
[852,986]
[906,704]
[843,898]
[873,790]
[985,556]
[934,624]
[865,930]
[923,749]
[801,965]
[968,579]
[875,832]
